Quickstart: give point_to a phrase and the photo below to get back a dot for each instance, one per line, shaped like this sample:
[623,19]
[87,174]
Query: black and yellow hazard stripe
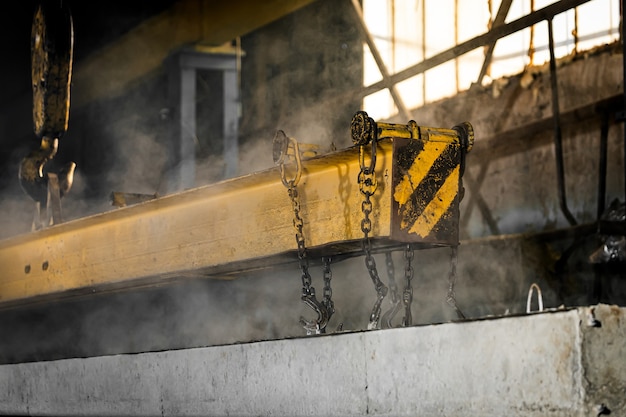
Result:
[426,186]
[428,165]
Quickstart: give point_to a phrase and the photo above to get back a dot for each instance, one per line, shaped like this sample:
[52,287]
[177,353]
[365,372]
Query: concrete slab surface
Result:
[566,362]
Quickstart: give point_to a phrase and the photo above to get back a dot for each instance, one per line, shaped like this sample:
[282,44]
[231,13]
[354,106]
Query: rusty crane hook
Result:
[323,315]
[52,42]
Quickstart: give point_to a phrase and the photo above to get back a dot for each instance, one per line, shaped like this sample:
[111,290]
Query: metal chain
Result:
[407,295]
[298,224]
[325,309]
[328,291]
[451,300]
[308,291]
[393,291]
[367,186]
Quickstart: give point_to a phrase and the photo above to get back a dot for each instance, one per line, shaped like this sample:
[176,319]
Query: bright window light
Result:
[408,31]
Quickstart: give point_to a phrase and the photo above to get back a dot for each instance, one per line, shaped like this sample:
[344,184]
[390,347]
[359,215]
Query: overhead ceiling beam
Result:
[497,32]
[109,71]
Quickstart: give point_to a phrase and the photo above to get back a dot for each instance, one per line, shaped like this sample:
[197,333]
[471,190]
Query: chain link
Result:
[325,309]
[407,295]
[451,300]
[327,300]
[298,224]
[367,186]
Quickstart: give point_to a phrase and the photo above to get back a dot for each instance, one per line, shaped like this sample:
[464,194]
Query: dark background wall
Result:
[125,143]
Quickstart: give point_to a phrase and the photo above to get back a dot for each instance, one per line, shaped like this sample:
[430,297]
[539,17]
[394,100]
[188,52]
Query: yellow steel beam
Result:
[248,222]
[218,229]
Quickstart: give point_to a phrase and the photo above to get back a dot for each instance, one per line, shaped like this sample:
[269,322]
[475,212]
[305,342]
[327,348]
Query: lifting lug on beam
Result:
[285,148]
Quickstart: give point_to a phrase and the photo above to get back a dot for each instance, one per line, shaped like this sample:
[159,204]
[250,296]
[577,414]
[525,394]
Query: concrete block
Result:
[551,363]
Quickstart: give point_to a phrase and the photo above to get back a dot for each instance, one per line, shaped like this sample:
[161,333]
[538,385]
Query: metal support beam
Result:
[558,140]
[143,49]
[369,39]
[493,35]
[184,101]
[231,124]
[498,21]
[246,222]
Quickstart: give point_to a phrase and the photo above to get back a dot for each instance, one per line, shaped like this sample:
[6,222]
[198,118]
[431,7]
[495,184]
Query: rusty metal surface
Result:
[51,64]
[52,45]
[556,363]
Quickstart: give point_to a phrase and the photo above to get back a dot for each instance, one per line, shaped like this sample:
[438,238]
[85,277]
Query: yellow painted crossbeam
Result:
[245,223]
[210,231]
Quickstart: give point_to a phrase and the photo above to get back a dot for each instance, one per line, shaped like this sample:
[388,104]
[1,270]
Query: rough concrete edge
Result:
[603,336]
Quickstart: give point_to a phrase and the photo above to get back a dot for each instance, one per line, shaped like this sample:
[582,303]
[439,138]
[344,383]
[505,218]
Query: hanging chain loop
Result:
[324,309]
[367,186]
[451,298]
[407,295]
[327,299]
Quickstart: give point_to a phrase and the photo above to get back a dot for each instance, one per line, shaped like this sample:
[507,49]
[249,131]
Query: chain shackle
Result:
[367,186]
[362,128]
[365,168]
[281,160]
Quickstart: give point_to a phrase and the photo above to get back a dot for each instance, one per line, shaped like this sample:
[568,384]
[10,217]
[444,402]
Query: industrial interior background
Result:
[300,67]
